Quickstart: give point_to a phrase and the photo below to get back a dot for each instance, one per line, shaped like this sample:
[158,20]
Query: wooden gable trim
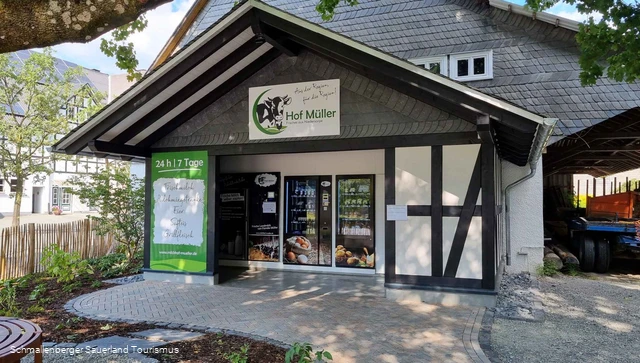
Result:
[179,33]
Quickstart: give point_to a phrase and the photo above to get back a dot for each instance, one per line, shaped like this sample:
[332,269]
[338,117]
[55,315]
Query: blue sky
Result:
[163,21]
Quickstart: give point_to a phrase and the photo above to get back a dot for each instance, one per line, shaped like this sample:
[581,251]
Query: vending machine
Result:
[355,242]
[307,234]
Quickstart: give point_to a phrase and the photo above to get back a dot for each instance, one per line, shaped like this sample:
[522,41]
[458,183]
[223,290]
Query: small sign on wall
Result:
[397,213]
[295,110]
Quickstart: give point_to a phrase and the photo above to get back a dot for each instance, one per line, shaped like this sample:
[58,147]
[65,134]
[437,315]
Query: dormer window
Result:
[471,66]
[436,65]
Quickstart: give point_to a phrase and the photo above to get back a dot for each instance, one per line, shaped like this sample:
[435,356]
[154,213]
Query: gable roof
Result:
[535,54]
[232,49]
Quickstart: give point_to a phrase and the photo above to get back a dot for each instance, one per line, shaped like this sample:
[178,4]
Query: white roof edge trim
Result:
[401,63]
[166,67]
[542,16]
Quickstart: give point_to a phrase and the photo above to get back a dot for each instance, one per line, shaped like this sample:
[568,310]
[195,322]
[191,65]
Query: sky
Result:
[163,21]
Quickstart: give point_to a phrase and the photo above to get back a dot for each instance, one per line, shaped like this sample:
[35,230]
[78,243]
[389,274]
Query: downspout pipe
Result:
[540,140]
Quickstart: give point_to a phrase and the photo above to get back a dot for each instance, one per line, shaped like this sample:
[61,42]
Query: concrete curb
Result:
[471,336]
[485,336]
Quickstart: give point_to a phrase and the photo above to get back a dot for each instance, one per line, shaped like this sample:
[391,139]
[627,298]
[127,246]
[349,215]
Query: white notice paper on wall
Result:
[269,207]
[397,213]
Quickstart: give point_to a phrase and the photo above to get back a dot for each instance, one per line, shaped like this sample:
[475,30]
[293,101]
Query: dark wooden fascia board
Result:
[103,147]
[162,83]
[214,95]
[325,145]
[174,101]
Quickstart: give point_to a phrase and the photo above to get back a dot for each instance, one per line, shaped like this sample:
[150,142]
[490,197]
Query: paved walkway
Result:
[345,315]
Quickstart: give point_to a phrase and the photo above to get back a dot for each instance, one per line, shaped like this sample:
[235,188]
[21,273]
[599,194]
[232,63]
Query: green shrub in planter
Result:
[64,266]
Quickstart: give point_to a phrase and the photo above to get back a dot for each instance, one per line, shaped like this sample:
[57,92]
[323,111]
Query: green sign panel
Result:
[179,211]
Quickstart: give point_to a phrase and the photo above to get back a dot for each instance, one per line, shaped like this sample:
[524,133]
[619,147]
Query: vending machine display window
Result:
[307,235]
[355,242]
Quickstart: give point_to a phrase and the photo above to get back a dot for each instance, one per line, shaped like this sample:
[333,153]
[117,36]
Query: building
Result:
[43,192]
[427,118]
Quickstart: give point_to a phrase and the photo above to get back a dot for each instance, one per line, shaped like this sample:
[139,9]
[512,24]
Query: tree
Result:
[611,44]
[33,95]
[119,198]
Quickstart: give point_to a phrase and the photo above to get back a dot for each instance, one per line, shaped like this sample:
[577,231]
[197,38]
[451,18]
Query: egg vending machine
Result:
[307,234]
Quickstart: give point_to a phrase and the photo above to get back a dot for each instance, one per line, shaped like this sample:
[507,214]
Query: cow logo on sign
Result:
[268,114]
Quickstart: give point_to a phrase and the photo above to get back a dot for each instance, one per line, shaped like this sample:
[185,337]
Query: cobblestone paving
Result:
[356,326]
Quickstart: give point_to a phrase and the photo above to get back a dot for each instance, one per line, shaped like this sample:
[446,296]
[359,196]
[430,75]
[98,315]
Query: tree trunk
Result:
[39,23]
[17,202]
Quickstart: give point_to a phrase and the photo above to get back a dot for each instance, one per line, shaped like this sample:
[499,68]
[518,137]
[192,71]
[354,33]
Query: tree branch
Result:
[40,23]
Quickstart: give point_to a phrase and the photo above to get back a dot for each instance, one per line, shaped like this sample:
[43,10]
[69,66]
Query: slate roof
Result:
[535,64]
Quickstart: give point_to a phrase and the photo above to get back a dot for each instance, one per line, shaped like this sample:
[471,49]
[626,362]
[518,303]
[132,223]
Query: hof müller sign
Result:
[295,110]
[179,211]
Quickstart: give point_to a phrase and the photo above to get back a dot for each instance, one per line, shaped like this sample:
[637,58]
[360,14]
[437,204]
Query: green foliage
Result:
[571,270]
[117,264]
[96,284]
[610,44]
[35,309]
[64,266]
[239,357]
[547,269]
[43,91]
[119,197]
[37,292]
[8,304]
[305,354]
[117,47]
[327,8]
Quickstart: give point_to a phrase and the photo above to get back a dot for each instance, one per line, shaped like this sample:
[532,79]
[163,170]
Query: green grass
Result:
[547,269]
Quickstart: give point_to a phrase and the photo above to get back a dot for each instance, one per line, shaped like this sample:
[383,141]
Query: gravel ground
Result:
[592,318]
[519,298]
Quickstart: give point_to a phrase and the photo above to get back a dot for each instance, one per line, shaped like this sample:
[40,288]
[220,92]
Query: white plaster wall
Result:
[457,167]
[525,214]
[413,187]
[330,163]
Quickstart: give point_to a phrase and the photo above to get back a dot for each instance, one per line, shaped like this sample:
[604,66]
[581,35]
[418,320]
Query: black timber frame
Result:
[482,179]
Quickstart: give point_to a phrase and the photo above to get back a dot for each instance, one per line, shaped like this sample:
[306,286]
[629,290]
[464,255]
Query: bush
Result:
[547,269]
[304,352]
[65,266]
[8,304]
[117,264]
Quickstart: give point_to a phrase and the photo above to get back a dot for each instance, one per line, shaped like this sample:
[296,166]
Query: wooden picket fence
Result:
[21,246]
